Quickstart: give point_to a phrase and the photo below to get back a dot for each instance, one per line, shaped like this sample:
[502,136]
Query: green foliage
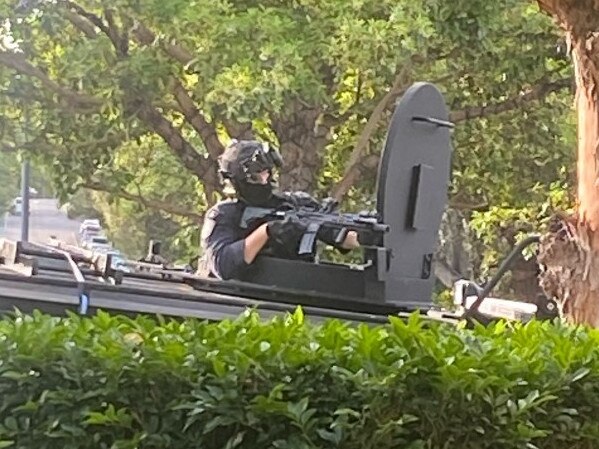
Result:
[80,206]
[113,382]
[10,179]
[516,158]
[130,225]
[501,227]
[10,176]
[267,63]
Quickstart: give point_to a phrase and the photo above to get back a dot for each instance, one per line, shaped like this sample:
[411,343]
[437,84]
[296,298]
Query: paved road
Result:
[45,219]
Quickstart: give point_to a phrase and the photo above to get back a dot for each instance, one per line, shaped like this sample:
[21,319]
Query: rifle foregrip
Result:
[308,240]
[306,244]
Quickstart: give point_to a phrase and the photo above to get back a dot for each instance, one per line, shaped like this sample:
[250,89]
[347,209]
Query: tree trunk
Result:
[455,244]
[569,253]
[302,143]
[523,283]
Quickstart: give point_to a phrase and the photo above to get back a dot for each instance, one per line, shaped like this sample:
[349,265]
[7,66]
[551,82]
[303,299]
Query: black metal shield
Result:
[413,179]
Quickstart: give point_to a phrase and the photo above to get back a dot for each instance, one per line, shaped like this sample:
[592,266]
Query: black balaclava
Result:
[255,194]
[244,159]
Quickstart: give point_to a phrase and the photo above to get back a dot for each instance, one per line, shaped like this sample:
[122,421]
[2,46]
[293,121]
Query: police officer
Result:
[247,168]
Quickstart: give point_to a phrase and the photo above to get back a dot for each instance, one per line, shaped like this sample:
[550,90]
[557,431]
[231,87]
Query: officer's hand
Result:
[351,241]
[287,232]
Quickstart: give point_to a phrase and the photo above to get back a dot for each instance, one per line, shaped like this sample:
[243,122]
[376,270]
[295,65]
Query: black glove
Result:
[333,236]
[285,235]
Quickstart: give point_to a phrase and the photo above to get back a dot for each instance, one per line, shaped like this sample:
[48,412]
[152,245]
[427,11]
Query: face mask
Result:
[255,194]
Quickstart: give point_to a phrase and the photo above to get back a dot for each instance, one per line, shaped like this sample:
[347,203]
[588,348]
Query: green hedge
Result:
[112,382]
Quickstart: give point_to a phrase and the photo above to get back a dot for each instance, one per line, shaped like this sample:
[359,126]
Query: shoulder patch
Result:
[207,228]
[226,213]
[221,208]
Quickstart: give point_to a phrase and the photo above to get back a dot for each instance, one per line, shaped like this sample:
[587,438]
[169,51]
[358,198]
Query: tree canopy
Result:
[137,99]
[9,180]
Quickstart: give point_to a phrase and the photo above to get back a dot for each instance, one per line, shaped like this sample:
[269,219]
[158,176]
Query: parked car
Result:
[16,207]
[89,224]
[97,243]
[88,234]
[118,261]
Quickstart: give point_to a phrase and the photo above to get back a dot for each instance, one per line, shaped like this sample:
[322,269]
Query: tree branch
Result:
[146,36]
[360,164]
[110,140]
[538,92]
[204,168]
[120,43]
[94,19]
[238,130]
[206,131]
[81,24]
[352,171]
[331,120]
[165,206]
[109,28]
[18,63]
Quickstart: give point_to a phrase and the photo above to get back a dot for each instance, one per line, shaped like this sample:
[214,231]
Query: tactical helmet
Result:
[243,160]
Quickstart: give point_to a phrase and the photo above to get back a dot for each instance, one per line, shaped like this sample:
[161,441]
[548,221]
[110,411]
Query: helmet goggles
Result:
[262,159]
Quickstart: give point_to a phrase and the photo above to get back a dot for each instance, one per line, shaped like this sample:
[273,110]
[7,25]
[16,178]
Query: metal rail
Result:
[82,289]
[232,288]
[503,268]
[29,296]
[62,283]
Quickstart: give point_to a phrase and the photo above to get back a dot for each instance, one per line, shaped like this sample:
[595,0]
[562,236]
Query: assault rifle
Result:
[324,220]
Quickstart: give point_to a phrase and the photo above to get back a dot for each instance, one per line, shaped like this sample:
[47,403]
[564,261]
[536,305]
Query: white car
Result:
[119,264]
[97,243]
[118,261]
[89,224]
[16,208]
[88,234]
